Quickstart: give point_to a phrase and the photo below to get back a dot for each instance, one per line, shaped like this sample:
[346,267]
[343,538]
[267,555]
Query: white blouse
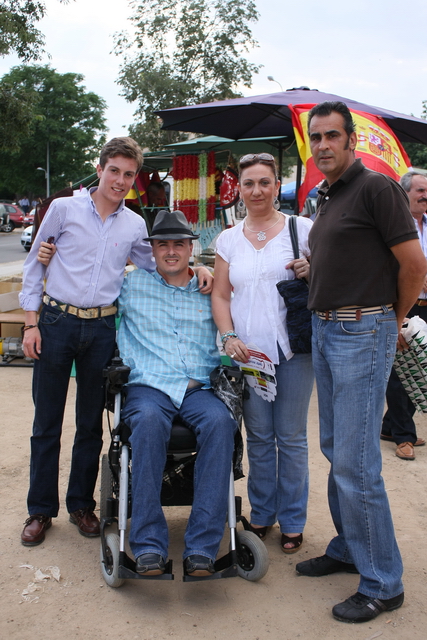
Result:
[257,309]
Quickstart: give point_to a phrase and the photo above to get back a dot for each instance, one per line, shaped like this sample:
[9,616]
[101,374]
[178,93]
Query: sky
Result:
[373,51]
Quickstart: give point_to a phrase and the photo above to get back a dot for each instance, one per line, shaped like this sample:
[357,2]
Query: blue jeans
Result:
[91,344]
[149,414]
[277,447]
[352,363]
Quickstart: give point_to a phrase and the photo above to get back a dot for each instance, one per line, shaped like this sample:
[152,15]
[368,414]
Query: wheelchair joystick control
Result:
[117,374]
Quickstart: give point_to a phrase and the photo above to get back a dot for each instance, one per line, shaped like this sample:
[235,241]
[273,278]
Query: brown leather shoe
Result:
[34,530]
[420,442]
[86,521]
[405,451]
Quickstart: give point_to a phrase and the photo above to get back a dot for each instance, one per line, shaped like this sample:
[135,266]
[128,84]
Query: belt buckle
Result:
[85,314]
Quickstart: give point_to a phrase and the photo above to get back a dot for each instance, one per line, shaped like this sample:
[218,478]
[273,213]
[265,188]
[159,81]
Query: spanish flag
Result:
[377,146]
[142,180]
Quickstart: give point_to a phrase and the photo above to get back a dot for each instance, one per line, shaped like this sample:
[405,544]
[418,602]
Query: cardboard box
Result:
[12,317]
[9,291]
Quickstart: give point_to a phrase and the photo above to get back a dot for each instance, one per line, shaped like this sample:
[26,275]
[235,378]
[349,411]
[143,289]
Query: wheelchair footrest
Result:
[225,567]
[127,570]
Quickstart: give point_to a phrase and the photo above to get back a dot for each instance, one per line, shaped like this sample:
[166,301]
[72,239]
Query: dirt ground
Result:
[281,606]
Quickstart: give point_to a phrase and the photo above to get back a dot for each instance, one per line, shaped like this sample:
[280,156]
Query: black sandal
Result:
[261,532]
[296,541]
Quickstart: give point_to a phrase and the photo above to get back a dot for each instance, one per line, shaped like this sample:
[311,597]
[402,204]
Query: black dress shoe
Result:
[324,566]
[35,529]
[150,564]
[86,521]
[199,566]
[361,608]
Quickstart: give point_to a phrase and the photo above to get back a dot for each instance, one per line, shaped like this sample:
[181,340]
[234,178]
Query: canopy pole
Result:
[298,184]
[280,165]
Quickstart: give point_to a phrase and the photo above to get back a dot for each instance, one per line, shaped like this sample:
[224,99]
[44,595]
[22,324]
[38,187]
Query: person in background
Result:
[398,424]
[251,258]
[24,203]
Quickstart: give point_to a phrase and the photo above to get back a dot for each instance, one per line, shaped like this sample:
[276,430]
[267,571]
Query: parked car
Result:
[26,237]
[29,218]
[13,216]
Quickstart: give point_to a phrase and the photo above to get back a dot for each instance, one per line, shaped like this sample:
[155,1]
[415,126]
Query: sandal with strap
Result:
[261,532]
[296,541]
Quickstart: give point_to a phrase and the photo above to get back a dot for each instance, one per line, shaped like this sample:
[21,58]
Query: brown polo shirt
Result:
[359,217]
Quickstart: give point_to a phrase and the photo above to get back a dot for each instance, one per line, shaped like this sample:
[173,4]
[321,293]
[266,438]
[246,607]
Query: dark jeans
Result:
[398,422]
[91,344]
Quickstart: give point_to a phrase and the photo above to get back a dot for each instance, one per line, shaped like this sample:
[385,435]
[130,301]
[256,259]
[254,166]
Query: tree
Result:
[68,119]
[417,152]
[186,52]
[17,28]
[17,112]
[18,34]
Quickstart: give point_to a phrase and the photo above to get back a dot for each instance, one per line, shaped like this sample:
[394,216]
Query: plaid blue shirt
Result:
[166,334]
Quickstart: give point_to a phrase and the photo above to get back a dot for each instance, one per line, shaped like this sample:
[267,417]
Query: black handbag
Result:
[295,294]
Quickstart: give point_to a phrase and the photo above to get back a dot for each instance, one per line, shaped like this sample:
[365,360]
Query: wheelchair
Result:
[247,556]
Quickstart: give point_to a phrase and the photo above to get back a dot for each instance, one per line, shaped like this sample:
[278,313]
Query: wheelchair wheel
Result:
[252,558]
[110,570]
[106,486]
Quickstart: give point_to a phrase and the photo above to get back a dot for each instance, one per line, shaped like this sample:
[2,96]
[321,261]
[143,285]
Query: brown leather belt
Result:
[86,314]
[352,313]
[421,302]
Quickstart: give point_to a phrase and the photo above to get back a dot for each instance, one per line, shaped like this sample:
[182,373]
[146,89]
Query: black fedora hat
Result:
[171,225]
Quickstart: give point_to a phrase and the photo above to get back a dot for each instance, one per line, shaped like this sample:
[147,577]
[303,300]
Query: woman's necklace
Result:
[261,234]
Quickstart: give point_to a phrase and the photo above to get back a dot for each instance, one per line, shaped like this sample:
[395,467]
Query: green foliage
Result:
[65,115]
[288,164]
[18,33]
[17,113]
[417,152]
[183,52]
[17,30]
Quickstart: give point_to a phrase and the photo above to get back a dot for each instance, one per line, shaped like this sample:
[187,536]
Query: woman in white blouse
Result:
[251,258]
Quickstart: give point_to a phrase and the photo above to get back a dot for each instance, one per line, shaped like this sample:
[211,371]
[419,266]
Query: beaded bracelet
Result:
[226,336]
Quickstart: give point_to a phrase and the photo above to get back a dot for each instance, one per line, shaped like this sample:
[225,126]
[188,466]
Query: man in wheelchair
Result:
[168,339]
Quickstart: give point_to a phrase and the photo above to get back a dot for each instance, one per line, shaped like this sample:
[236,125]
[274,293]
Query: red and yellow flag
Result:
[377,145]
[142,180]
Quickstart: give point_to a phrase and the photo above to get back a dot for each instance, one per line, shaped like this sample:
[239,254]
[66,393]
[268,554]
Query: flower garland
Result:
[194,185]
[186,178]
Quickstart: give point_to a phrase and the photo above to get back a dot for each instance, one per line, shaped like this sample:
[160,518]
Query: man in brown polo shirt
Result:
[367,269]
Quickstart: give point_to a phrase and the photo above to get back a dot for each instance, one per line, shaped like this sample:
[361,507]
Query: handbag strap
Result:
[293,231]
